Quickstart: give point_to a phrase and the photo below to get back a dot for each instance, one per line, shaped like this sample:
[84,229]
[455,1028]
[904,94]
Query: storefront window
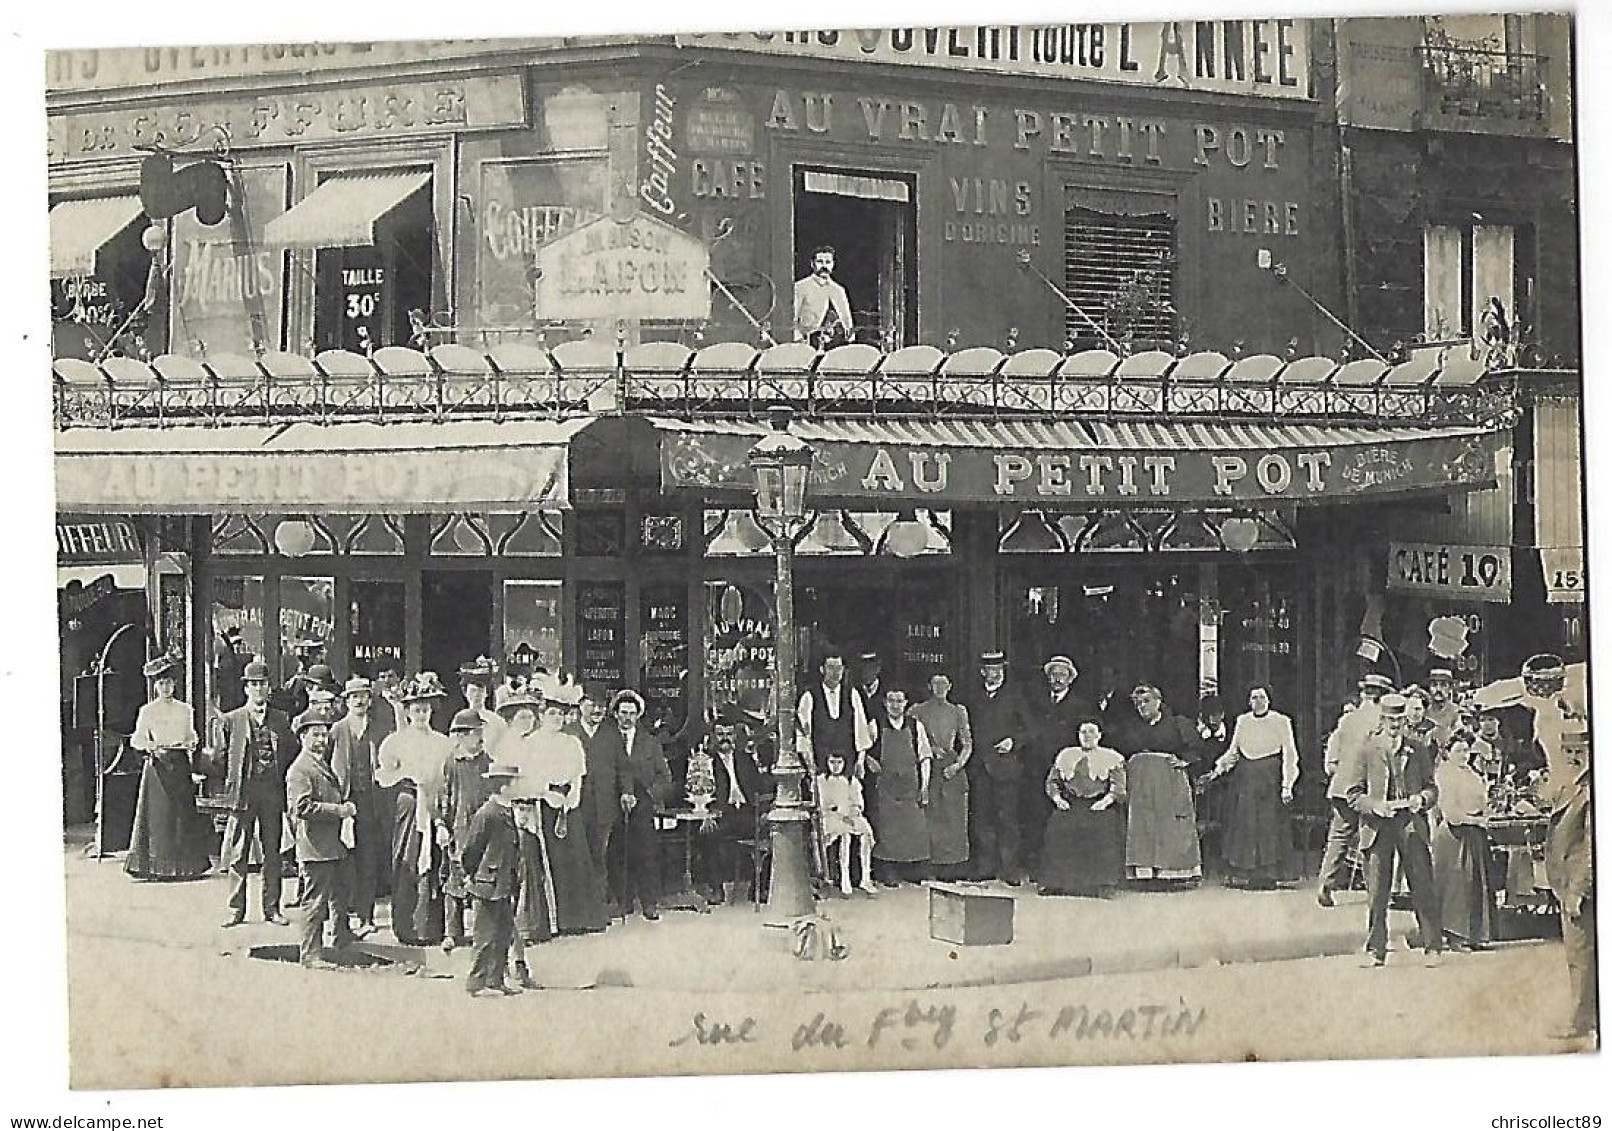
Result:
[532,620]
[1258,635]
[237,637]
[375,625]
[307,616]
[739,643]
[96,297]
[363,296]
[664,655]
[909,621]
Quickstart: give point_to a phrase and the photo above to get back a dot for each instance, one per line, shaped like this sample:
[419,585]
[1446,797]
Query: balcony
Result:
[1483,90]
[1442,386]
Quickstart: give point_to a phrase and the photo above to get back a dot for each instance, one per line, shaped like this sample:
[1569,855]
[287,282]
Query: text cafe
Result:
[1164,175]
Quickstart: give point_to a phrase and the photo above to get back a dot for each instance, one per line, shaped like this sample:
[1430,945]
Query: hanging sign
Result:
[1564,574]
[1466,573]
[610,269]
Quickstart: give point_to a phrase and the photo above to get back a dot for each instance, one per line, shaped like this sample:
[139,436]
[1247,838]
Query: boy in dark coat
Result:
[490,857]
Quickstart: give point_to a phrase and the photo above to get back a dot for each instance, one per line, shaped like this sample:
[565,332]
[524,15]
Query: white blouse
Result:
[163,723]
[552,758]
[1263,736]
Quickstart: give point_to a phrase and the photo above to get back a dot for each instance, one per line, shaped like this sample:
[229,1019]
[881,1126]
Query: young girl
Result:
[839,801]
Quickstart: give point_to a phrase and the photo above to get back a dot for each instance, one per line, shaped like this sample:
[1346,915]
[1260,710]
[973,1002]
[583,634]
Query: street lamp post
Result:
[782,464]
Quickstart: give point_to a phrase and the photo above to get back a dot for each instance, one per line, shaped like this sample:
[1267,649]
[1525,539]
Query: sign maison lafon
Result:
[637,267]
[1050,477]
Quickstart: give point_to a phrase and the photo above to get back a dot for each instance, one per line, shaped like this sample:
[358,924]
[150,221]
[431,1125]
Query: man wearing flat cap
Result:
[355,743]
[323,831]
[1001,727]
[258,748]
[1390,784]
[1343,746]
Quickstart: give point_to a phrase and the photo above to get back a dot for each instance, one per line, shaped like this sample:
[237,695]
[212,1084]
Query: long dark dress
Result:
[1462,865]
[169,839]
[410,766]
[1259,837]
[1161,828]
[947,814]
[1084,851]
[562,888]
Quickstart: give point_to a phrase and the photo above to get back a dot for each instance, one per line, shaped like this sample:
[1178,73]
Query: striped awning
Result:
[352,467]
[79,229]
[1070,464]
[343,211]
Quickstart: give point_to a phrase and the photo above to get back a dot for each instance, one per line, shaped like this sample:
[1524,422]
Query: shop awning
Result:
[79,229]
[356,467]
[1071,464]
[343,211]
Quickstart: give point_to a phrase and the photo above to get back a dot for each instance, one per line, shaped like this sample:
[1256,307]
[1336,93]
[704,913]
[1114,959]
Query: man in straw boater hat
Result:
[490,856]
[1001,725]
[257,750]
[355,743]
[324,833]
[411,762]
[1389,782]
[465,789]
[1343,746]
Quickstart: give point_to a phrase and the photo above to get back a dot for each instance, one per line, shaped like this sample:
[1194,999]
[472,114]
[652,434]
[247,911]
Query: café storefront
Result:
[622,547]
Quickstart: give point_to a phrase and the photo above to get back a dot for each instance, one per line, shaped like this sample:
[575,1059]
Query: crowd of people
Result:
[537,810]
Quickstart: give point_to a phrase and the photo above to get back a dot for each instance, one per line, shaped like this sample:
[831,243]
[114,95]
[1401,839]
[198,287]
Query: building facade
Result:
[471,361]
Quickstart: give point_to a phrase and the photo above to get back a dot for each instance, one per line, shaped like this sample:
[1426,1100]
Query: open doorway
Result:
[870,219]
[456,622]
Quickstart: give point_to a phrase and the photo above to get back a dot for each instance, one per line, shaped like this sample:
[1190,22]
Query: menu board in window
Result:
[739,647]
[663,617]
[602,633]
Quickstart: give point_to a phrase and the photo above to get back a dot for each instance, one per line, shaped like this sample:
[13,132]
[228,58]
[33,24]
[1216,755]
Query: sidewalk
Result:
[730,949]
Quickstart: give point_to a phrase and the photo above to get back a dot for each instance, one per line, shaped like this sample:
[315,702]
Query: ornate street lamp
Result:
[782,464]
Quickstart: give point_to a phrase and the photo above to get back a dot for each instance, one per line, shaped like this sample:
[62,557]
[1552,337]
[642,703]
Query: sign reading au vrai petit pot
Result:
[634,268]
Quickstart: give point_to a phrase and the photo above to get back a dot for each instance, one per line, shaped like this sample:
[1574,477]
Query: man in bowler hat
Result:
[258,749]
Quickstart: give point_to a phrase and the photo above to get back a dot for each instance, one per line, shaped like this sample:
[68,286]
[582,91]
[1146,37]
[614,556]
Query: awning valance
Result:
[343,211]
[860,186]
[1070,464]
[79,229]
[356,467]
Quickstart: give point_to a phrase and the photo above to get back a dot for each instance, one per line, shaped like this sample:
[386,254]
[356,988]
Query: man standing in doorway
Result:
[258,749]
[1001,726]
[822,308]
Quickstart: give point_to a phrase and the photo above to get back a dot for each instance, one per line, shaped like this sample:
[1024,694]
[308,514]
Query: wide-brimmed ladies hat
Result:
[423,688]
[561,692]
[513,699]
[161,666]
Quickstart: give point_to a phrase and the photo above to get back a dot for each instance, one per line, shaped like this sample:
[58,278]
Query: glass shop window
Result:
[307,621]
[373,285]
[236,638]
[532,619]
[375,625]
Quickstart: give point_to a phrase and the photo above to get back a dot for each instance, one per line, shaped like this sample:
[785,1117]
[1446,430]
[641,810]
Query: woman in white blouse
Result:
[1263,761]
[168,842]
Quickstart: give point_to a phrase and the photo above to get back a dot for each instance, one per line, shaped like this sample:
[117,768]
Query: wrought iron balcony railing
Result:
[1444,386]
[1494,86]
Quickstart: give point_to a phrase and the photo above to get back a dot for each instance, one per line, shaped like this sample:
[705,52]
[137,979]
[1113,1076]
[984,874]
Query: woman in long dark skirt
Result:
[410,764]
[555,763]
[1263,761]
[169,838]
[1461,862]
[1084,849]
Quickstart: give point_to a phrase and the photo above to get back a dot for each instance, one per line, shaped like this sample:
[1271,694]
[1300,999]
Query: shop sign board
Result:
[640,267]
[1564,574]
[936,475]
[1251,57]
[1457,572]
[364,112]
[88,541]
